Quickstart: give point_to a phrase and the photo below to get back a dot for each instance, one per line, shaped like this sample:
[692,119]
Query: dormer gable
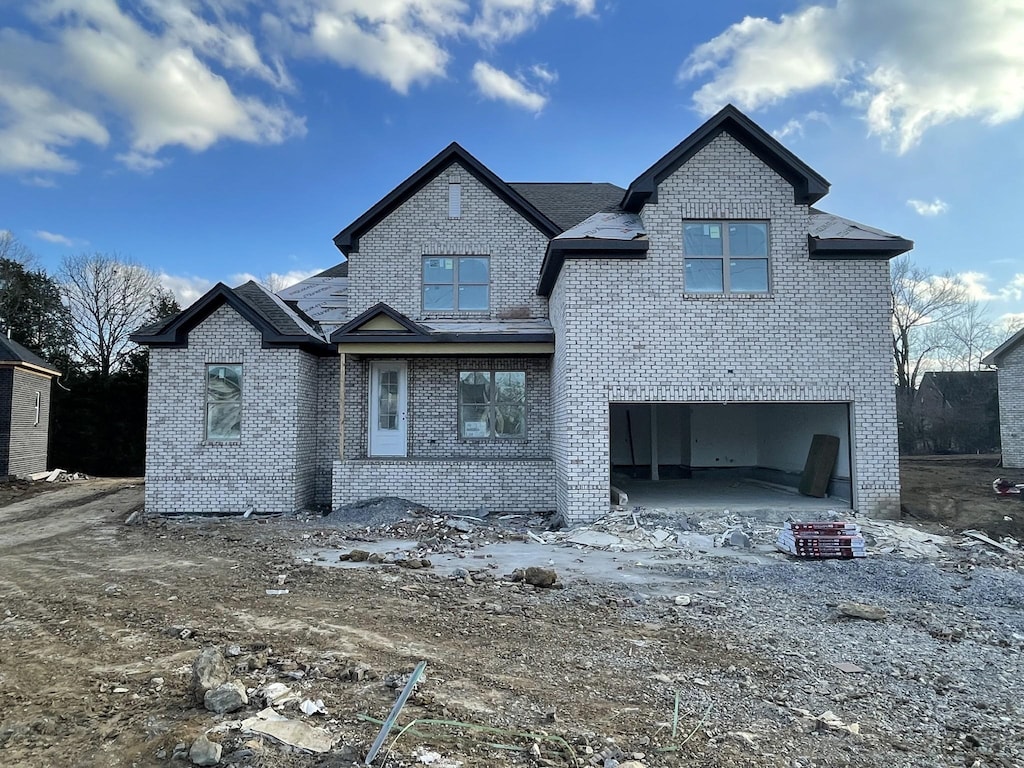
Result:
[347,241]
[808,185]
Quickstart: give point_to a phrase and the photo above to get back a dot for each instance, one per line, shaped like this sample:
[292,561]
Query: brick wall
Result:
[1011,407]
[273,466]
[433,430]
[23,442]
[628,330]
[479,487]
[388,265]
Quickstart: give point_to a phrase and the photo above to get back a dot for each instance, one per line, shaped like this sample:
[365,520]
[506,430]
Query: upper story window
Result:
[223,402]
[726,256]
[36,408]
[456,283]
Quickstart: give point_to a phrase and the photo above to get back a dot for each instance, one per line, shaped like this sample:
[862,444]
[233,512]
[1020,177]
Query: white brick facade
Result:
[273,467]
[1011,407]
[628,331]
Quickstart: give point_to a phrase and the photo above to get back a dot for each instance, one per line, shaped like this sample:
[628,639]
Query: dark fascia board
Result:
[854,248]
[349,331]
[347,241]
[995,357]
[175,333]
[808,185]
[585,248]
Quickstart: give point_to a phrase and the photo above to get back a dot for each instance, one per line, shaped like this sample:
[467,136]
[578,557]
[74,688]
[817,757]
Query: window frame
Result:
[37,408]
[491,406]
[726,257]
[456,282]
[208,402]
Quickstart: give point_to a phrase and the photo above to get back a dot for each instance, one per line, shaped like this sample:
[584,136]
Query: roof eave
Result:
[855,248]
[585,248]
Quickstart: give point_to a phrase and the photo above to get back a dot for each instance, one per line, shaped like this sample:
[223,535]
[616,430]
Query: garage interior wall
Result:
[770,440]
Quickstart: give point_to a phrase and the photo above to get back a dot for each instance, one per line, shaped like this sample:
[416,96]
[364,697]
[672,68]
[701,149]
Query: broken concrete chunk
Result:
[227,697]
[540,577]
[204,751]
[209,670]
[356,556]
[862,611]
[291,732]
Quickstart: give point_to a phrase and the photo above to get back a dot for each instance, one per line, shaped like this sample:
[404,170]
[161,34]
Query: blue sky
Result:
[213,139]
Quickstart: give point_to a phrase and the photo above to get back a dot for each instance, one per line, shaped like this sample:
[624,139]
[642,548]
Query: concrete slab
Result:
[704,496]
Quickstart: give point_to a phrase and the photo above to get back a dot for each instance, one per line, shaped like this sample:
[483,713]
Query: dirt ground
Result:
[718,662]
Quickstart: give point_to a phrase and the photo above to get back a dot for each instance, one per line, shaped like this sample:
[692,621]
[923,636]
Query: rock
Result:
[233,650]
[209,670]
[683,600]
[204,751]
[862,611]
[738,539]
[227,697]
[356,556]
[540,577]
[632,764]
[462,526]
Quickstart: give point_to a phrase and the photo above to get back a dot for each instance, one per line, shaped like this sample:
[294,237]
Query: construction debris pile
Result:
[821,540]
[56,476]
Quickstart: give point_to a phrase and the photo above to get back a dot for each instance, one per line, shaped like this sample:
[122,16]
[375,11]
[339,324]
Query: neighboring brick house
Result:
[1008,357]
[25,380]
[505,344]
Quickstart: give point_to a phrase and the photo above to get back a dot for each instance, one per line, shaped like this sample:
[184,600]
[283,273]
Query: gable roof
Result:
[279,325]
[569,203]
[13,352]
[833,237]
[338,270]
[347,241]
[960,387]
[995,357]
[808,185]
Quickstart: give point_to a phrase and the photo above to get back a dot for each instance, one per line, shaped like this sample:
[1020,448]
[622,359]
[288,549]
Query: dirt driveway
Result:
[731,662]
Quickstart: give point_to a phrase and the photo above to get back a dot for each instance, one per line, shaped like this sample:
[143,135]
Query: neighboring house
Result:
[958,412]
[1008,358]
[25,380]
[504,344]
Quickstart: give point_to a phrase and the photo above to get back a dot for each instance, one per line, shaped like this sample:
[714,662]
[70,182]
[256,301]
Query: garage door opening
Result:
[740,456]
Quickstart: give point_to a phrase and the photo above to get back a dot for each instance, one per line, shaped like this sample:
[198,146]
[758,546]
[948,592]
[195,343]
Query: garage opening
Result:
[737,455]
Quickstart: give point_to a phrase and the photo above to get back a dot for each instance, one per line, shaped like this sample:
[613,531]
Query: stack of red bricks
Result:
[822,540]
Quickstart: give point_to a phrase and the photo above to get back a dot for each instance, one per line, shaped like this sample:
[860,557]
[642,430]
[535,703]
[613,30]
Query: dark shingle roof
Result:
[567,204]
[13,352]
[338,270]
[265,306]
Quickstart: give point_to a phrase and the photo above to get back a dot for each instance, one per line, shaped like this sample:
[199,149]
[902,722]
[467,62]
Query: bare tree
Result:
[961,340]
[12,249]
[108,298]
[919,300]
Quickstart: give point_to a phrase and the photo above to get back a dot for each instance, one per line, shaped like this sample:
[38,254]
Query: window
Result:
[492,404]
[223,402]
[726,256]
[456,283]
[454,200]
[36,408]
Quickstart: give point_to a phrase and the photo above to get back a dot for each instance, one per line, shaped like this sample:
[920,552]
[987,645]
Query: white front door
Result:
[388,399]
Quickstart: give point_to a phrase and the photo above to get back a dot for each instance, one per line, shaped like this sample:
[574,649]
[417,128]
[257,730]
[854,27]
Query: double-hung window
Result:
[726,256]
[223,402]
[456,283]
[492,404]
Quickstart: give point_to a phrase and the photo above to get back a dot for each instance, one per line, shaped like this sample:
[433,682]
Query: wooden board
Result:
[821,460]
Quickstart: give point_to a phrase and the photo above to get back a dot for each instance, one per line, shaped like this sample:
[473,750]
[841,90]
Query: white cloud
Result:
[36,127]
[795,126]
[493,83]
[53,237]
[276,281]
[924,208]
[907,65]
[151,75]
[186,288]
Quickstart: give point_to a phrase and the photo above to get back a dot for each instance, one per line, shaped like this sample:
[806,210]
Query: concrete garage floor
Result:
[745,497]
